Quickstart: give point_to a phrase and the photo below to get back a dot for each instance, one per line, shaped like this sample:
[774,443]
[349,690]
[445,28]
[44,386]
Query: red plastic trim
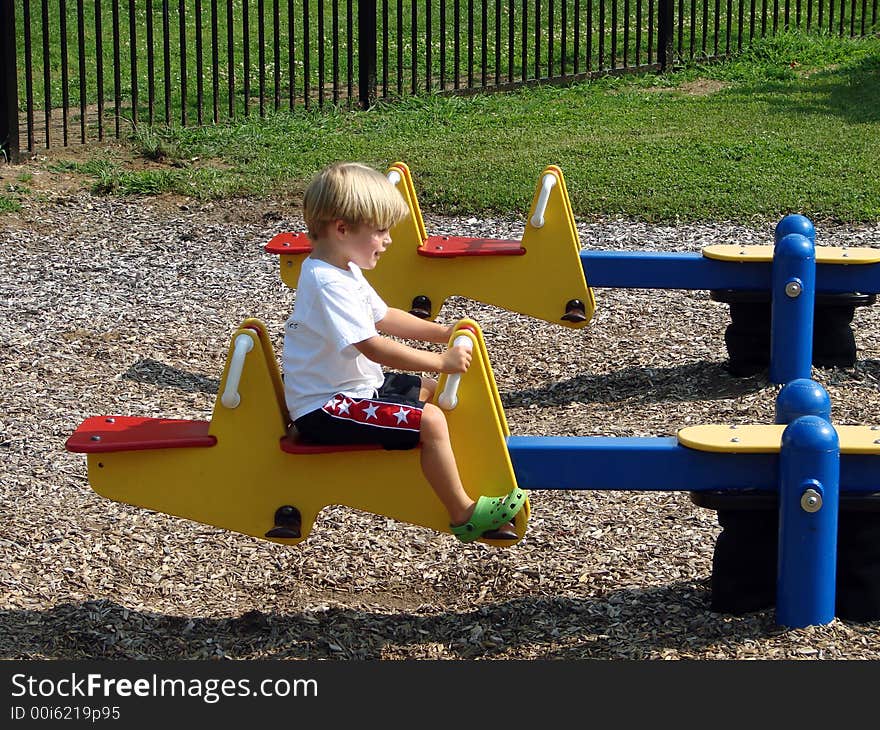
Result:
[452,246]
[289,244]
[102,434]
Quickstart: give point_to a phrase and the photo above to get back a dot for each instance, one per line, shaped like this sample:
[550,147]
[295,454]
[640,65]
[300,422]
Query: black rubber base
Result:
[747,337]
[744,561]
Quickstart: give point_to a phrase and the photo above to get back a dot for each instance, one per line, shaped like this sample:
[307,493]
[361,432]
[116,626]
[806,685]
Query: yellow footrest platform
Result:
[767,439]
[764,254]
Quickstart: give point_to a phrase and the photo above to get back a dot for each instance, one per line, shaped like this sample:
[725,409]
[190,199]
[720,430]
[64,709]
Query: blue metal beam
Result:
[665,270]
[658,464]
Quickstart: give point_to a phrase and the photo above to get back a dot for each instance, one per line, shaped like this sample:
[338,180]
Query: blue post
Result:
[802,397]
[794,223]
[793,293]
[809,467]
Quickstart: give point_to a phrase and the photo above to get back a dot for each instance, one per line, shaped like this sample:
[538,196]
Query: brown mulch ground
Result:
[127,306]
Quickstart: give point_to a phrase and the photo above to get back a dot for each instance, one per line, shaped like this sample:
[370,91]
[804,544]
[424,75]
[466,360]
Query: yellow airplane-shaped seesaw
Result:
[540,276]
[245,471]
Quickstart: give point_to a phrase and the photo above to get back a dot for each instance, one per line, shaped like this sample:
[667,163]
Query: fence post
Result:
[367,53]
[8,83]
[665,25]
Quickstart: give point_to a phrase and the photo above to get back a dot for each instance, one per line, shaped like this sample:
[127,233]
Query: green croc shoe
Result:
[489,514]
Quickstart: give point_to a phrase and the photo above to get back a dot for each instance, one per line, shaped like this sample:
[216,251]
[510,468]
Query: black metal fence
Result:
[74,71]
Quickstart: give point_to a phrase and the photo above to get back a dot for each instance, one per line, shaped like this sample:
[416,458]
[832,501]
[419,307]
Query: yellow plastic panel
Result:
[763,254]
[767,439]
[291,264]
[416,210]
[239,483]
[537,284]
[746,439]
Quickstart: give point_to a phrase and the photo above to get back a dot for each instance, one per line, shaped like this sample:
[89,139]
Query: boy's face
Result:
[365,244]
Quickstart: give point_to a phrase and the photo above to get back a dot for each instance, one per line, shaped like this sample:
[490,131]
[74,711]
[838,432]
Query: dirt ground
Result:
[126,306]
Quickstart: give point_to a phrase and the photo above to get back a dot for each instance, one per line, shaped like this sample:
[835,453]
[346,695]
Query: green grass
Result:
[9,204]
[793,126]
[481,41]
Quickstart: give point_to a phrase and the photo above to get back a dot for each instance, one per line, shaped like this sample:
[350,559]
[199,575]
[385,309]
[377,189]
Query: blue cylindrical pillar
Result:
[809,467]
[792,297]
[802,397]
[794,223]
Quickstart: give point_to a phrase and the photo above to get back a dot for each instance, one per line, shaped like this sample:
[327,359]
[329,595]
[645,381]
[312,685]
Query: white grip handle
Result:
[243,345]
[547,185]
[394,176]
[449,397]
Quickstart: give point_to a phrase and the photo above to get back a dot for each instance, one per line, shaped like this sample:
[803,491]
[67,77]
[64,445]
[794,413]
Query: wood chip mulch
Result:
[126,307]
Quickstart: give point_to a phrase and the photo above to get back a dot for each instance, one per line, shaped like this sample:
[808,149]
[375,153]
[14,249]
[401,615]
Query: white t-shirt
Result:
[334,309]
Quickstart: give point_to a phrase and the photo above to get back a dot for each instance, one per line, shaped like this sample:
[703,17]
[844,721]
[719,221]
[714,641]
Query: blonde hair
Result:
[354,193]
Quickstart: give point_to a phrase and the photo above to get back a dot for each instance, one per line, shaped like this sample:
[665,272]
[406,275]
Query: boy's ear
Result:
[339,227]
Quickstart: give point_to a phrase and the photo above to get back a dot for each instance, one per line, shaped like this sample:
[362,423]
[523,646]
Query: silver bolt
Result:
[734,440]
[793,289]
[290,263]
[96,438]
[110,420]
[811,501]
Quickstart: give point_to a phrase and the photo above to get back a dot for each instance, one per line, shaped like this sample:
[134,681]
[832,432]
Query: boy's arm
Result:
[396,355]
[402,324]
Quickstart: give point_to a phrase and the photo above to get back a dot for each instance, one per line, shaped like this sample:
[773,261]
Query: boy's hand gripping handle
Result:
[448,399]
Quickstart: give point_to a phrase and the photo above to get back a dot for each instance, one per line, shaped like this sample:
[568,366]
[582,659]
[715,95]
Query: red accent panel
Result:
[292,445]
[101,434]
[452,246]
[289,243]
[375,412]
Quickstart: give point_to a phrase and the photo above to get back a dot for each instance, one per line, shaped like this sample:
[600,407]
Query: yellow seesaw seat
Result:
[243,471]
[540,276]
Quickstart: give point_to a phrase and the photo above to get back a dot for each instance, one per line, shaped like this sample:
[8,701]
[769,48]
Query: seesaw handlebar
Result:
[243,345]
[547,184]
[449,396]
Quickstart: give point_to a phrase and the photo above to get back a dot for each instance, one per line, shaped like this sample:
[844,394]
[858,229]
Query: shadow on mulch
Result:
[154,372]
[694,381]
[657,619]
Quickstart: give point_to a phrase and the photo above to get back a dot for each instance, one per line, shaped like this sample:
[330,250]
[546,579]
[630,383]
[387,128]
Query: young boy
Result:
[334,384]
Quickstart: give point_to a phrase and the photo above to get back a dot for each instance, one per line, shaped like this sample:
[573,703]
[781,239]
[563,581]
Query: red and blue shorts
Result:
[392,418]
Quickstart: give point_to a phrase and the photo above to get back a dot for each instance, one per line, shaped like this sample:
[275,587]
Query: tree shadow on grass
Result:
[850,93]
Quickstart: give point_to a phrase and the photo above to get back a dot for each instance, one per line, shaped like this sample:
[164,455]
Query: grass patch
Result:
[9,204]
[795,126]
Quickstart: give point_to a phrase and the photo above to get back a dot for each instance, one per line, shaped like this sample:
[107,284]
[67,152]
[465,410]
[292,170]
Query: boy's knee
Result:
[433,421]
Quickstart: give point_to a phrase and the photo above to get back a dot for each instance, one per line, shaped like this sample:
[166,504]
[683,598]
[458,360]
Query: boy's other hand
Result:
[456,360]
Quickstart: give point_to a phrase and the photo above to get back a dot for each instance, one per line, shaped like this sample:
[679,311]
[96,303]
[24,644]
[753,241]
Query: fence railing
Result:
[74,71]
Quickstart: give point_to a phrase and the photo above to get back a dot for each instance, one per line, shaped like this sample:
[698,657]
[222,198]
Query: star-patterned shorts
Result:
[392,418]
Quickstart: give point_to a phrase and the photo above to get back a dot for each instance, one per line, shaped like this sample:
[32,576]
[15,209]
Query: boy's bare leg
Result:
[429,387]
[440,469]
